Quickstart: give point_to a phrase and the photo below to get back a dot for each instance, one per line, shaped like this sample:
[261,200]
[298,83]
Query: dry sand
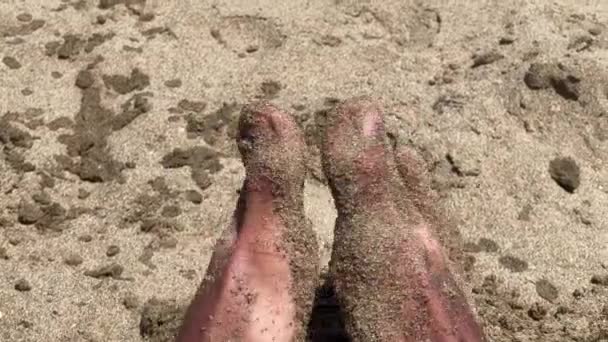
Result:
[106,228]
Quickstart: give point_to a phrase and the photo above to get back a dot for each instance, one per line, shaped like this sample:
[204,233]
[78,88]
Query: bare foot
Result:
[388,264]
[260,282]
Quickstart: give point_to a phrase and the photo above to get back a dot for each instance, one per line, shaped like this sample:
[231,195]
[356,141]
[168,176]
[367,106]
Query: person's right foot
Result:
[389,269]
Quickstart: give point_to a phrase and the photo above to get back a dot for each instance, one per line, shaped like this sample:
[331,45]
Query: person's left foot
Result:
[262,275]
[388,262]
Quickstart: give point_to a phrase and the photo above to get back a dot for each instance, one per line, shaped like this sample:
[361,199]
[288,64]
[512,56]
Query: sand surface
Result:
[119,168]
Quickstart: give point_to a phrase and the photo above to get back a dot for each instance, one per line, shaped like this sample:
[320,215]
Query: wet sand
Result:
[117,123]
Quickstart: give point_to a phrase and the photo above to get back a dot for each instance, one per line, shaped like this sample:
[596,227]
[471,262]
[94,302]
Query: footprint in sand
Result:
[248,34]
[409,24]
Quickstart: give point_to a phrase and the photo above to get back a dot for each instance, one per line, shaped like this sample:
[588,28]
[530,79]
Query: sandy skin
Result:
[391,275]
[248,293]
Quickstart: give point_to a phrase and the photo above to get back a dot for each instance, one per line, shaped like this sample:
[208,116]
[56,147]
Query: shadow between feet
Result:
[327,320]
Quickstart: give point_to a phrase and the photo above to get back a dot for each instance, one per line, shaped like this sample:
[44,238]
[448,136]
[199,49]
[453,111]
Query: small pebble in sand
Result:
[328,40]
[598,279]
[483,245]
[15,41]
[85,238]
[250,49]
[130,301]
[23,285]
[168,242]
[201,178]
[25,17]
[160,319]
[124,84]
[28,213]
[107,271]
[174,83]
[488,245]
[298,107]
[469,263]
[83,194]
[546,290]
[506,40]
[42,197]
[107,4]
[537,312]
[471,247]
[580,43]
[562,310]
[539,75]
[605,311]
[147,17]
[112,251]
[595,30]
[270,89]
[148,225]
[486,58]
[84,79]
[194,196]
[579,293]
[524,214]
[3,254]
[27,92]
[585,215]
[56,74]
[73,260]
[566,173]
[171,211]
[192,106]
[174,118]
[25,324]
[567,87]
[513,264]
[11,62]
[553,75]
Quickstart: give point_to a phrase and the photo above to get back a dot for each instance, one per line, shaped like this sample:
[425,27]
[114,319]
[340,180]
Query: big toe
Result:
[354,153]
[271,145]
[271,212]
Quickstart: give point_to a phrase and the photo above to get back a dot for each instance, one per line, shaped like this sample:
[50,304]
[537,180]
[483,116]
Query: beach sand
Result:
[119,167]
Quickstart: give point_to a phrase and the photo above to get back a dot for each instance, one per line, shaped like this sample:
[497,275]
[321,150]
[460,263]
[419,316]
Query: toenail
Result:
[371,123]
[271,121]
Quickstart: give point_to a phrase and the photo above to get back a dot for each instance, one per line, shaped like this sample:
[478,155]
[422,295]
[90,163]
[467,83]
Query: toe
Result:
[271,145]
[354,153]
[416,184]
[265,119]
[415,179]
